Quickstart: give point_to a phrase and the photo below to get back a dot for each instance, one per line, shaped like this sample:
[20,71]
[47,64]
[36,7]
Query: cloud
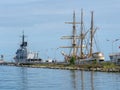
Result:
[18,1]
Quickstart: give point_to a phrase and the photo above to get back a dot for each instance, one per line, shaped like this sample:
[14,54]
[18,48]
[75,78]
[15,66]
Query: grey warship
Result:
[24,56]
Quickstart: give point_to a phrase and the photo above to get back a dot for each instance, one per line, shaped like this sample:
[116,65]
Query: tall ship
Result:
[82,43]
[23,55]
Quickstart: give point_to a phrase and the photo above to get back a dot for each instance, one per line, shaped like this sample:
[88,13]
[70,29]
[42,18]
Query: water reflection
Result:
[23,81]
[20,78]
[86,76]
[82,80]
[92,80]
[74,80]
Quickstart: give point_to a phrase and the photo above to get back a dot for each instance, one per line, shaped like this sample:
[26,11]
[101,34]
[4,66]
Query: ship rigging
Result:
[82,44]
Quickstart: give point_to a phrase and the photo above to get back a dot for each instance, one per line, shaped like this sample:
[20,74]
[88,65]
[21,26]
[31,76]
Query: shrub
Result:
[72,60]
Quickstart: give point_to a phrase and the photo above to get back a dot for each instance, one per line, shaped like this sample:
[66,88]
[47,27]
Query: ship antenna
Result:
[23,42]
[23,37]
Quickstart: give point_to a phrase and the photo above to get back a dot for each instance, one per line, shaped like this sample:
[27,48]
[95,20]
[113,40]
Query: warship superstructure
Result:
[23,55]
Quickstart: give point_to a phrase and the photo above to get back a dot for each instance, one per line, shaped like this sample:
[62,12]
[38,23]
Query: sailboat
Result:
[82,44]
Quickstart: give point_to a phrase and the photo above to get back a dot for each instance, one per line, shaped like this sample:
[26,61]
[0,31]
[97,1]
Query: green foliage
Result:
[72,60]
[108,65]
[94,62]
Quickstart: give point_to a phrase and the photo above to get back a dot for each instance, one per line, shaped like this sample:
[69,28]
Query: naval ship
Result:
[82,42]
[23,55]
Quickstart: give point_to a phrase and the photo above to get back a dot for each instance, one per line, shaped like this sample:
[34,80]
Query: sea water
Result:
[24,78]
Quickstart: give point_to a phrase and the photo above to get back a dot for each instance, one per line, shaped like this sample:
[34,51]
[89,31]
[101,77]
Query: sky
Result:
[43,24]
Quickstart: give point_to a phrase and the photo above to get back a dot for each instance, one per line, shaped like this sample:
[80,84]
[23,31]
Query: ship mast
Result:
[82,35]
[23,44]
[80,39]
[74,34]
[23,37]
[74,37]
[91,34]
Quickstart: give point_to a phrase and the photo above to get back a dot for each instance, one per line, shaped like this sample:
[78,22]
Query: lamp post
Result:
[55,53]
[113,41]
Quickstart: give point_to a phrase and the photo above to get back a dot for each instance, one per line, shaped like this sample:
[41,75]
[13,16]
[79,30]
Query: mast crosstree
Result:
[79,45]
[74,37]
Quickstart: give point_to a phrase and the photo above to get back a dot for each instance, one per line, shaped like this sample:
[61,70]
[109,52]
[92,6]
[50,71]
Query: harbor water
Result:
[24,78]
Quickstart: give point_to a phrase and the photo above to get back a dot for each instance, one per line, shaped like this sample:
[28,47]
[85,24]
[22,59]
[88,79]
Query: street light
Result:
[113,43]
[55,53]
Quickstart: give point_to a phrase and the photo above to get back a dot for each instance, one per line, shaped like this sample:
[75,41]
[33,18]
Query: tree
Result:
[72,60]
